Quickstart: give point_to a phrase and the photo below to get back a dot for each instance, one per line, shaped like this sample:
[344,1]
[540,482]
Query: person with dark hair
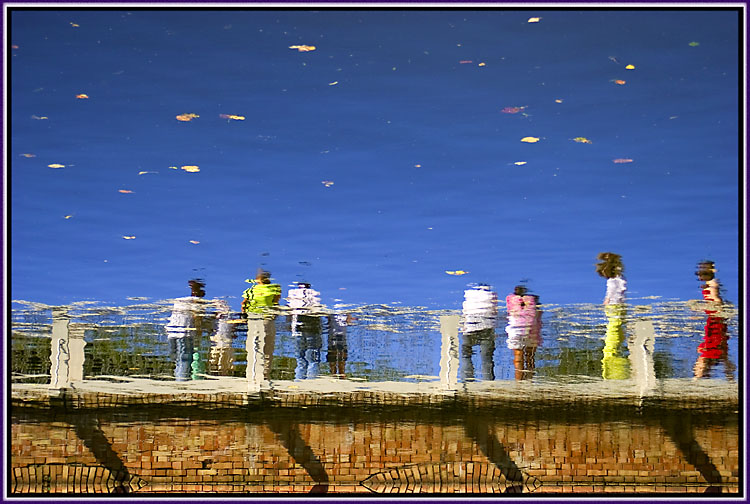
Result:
[261,325]
[524,330]
[480,318]
[184,328]
[614,364]
[262,295]
[612,268]
[714,348]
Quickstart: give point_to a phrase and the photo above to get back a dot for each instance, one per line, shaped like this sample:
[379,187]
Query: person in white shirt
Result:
[479,320]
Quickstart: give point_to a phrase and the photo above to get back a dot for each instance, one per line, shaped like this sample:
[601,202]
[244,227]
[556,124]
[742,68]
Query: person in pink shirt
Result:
[524,330]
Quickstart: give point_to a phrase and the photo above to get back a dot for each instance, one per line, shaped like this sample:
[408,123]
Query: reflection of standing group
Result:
[309,320]
[192,316]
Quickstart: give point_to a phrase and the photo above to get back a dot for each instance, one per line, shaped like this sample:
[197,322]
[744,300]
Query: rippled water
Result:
[380,343]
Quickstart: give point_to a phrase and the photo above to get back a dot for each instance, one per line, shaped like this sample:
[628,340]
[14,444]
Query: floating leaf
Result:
[622,160]
[145,172]
[465,62]
[125,191]
[482,64]
[530,139]
[512,110]
[303,48]
[186,117]
[619,82]
[534,19]
[39,118]
[190,168]
[26,155]
[82,96]
[173,168]
[417,166]
[327,183]
[519,163]
[68,216]
[56,165]
[694,44]
[333,83]
[232,117]
[630,67]
[582,140]
[129,237]
[558,100]
[74,25]
[194,242]
[457,272]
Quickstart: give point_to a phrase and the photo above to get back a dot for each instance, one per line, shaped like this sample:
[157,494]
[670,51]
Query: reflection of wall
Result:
[232,453]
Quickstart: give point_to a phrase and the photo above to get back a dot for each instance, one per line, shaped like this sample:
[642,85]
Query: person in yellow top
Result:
[263,294]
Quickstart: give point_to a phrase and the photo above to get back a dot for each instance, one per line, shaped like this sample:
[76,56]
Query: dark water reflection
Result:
[647,341]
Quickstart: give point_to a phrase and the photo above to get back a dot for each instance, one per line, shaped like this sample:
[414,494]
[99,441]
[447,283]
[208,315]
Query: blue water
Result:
[420,154]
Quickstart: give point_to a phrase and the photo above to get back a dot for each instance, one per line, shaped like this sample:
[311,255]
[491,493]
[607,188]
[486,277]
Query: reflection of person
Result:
[262,295]
[337,349]
[221,360]
[615,366]
[261,324]
[714,348]
[184,327]
[524,330]
[306,329]
[480,318]
[612,268]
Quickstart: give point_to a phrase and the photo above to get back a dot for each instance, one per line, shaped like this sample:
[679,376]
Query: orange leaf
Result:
[619,82]
[82,96]
[125,191]
[303,48]
[186,117]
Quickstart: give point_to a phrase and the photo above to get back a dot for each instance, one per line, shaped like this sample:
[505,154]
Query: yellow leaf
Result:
[190,168]
[417,166]
[457,272]
[74,25]
[630,67]
[56,165]
[129,237]
[534,19]
[82,96]
[333,83]
[303,48]
[482,64]
[39,118]
[68,216]
[558,101]
[232,117]
[173,168]
[186,117]
[145,172]
[530,139]
[582,140]
[519,163]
